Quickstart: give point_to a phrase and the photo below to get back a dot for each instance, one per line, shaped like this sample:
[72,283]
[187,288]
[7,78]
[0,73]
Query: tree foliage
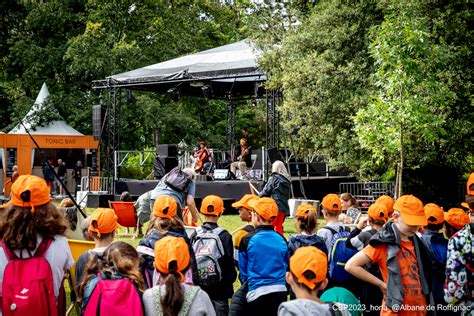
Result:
[68,44]
[357,76]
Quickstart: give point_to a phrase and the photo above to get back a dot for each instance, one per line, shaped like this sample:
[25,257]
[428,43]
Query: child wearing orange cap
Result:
[437,246]
[28,221]
[358,239]
[306,221]
[331,208]
[263,260]
[164,222]
[402,258]
[119,261]
[102,226]
[307,276]
[245,214]
[388,201]
[172,296]
[210,240]
[454,220]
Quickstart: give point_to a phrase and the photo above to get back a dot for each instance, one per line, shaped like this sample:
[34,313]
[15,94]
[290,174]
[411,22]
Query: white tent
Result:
[53,128]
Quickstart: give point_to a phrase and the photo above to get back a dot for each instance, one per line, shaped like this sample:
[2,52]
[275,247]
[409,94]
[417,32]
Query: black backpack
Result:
[177,179]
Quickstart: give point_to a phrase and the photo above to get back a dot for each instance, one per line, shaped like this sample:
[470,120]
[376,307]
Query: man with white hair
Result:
[183,197]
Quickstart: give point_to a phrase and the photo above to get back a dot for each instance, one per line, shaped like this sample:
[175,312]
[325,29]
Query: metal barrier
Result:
[96,184]
[367,192]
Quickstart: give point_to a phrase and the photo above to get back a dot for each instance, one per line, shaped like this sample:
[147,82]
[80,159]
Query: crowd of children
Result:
[397,261]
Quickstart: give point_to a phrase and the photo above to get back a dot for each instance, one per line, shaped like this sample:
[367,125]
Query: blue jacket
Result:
[278,188]
[302,240]
[263,258]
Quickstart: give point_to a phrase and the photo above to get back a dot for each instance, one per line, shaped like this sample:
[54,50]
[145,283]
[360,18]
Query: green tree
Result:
[410,118]
[323,69]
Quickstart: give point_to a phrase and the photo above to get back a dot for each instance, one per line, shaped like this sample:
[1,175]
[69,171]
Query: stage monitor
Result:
[222,174]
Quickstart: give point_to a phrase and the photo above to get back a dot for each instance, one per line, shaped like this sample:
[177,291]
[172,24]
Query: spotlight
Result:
[174,93]
[207,91]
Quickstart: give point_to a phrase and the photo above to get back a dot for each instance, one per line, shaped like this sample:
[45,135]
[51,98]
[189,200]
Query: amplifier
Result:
[167,150]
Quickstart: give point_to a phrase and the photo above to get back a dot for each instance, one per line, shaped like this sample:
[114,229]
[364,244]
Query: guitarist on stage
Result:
[243,159]
[202,158]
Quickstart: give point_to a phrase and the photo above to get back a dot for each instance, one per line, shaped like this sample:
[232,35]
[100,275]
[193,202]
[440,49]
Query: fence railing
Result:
[96,184]
[367,192]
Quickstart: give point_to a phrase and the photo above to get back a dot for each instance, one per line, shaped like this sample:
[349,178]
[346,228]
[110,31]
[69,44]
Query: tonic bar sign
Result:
[60,141]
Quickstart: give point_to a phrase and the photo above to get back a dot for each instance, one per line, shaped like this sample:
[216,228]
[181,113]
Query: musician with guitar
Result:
[202,158]
[243,159]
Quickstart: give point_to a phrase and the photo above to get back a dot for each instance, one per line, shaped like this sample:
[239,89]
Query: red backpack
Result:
[28,286]
[112,297]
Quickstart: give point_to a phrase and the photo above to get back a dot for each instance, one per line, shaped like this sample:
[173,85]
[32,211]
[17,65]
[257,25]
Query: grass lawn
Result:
[229,222]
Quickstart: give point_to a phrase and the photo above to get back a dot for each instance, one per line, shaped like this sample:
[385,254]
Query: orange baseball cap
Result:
[378,211]
[470,184]
[386,200]
[332,202]
[105,220]
[212,205]
[169,249]
[457,218]
[433,210]
[265,207]
[165,207]
[29,191]
[309,259]
[411,210]
[244,201]
[304,209]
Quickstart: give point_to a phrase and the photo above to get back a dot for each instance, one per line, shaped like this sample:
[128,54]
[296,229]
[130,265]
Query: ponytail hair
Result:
[307,224]
[93,266]
[164,225]
[173,300]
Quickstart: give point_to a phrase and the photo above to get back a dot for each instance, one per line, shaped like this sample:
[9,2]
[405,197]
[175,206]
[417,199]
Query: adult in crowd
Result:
[278,188]
[243,159]
[77,175]
[180,185]
[62,176]
[349,206]
[48,175]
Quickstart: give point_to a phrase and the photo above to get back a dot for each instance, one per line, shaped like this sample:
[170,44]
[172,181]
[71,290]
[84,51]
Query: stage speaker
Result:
[167,150]
[274,154]
[92,161]
[223,174]
[163,165]
[97,118]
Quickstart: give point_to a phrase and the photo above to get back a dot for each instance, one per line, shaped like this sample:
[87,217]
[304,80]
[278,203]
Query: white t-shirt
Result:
[58,255]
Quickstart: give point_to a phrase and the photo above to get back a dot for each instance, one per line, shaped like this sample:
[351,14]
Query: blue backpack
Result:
[339,254]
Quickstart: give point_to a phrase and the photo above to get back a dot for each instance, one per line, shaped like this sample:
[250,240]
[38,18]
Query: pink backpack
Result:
[28,286]
[112,297]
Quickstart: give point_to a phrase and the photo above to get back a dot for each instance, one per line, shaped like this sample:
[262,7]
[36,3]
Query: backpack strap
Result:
[156,294]
[189,295]
[39,253]
[332,230]
[42,248]
[10,254]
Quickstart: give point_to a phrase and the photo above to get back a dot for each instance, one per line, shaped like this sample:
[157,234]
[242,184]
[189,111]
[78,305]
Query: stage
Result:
[230,190]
